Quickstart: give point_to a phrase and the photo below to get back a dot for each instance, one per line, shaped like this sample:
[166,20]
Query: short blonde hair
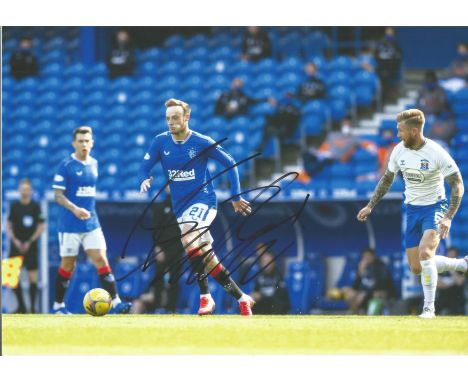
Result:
[176,102]
[412,118]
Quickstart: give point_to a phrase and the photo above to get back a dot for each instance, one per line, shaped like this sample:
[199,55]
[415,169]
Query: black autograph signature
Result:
[239,227]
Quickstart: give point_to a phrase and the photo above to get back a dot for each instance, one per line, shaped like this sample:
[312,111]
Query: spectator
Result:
[25,226]
[121,61]
[366,60]
[313,87]
[168,251]
[284,121]
[450,287]
[459,67]
[270,292]
[23,63]
[432,99]
[338,146]
[256,45]
[388,56]
[442,129]
[372,281]
[235,102]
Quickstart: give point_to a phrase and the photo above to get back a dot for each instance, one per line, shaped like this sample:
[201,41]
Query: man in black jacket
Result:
[373,280]
[313,87]
[235,102]
[24,227]
[23,63]
[121,61]
[256,45]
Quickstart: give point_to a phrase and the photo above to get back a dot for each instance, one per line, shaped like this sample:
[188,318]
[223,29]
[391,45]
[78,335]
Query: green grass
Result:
[218,334]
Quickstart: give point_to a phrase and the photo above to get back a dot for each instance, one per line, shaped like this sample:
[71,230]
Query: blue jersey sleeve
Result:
[224,158]
[60,177]
[151,157]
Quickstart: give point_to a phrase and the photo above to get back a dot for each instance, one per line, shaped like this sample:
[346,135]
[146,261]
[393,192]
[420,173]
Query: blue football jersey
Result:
[78,179]
[186,165]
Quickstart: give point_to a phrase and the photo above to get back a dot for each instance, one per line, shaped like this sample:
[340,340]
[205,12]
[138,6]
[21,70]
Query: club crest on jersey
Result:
[424,164]
[192,152]
[402,162]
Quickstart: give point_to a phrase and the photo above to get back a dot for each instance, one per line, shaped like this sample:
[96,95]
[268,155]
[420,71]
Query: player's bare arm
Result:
[61,199]
[382,187]
[146,184]
[242,206]
[456,184]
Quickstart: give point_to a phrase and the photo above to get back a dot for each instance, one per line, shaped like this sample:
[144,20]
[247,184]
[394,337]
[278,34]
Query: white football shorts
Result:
[70,242]
[203,216]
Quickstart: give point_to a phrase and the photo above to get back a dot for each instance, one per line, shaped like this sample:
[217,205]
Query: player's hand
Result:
[82,213]
[444,227]
[18,244]
[242,206]
[26,246]
[146,184]
[364,213]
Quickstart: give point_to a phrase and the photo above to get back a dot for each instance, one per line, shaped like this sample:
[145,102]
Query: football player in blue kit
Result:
[75,190]
[184,156]
[424,165]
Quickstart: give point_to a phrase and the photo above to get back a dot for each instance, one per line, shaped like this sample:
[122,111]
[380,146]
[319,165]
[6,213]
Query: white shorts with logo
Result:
[70,242]
[203,216]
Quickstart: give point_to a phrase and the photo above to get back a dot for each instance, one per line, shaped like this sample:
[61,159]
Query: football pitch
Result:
[225,334]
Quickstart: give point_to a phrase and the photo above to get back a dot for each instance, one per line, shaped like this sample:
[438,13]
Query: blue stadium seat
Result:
[217,82]
[341,93]
[298,283]
[171,67]
[341,63]
[75,70]
[318,108]
[22,112]
[291,64]
[225,53]
[174,40]
[196,41]
[97,83]
[338,78]
[53,70]
[364,95]
[240,68]
[73,84]
[27,84]
[121,84]
[339,109]
[149,68]
[152,55]
[365,78]
[97,70]
[54,56]
[47,98]
[290,81]
[94,112]
[51,84]
[267,65]
[311,124]
[198,53]
[192,83]
[24,98]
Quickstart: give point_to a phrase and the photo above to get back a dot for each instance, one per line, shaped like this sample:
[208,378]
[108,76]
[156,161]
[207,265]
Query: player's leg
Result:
[94,244]
[412,254]
[33,288]
[69,247]
[427,248]
[19,298]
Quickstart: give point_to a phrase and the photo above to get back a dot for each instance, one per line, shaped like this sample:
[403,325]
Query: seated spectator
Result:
[23,62]
[284,121]
[373,281]
[432,99]
[388,56]
[270,292]
[442,129]
[313,87]
[121,61]
[256,45]
[366,60]
[235,102]
[338,146]
[450,289]
[459,67]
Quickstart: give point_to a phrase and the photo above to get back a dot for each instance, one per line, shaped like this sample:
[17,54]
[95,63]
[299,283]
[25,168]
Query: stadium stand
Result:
[40,113]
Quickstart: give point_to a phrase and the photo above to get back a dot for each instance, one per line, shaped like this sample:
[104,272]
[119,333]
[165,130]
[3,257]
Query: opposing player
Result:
[184,155]
[424,165]
[75,190]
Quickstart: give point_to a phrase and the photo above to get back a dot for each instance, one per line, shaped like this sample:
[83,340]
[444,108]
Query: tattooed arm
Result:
[456,184]
[379,192]
[79,212]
